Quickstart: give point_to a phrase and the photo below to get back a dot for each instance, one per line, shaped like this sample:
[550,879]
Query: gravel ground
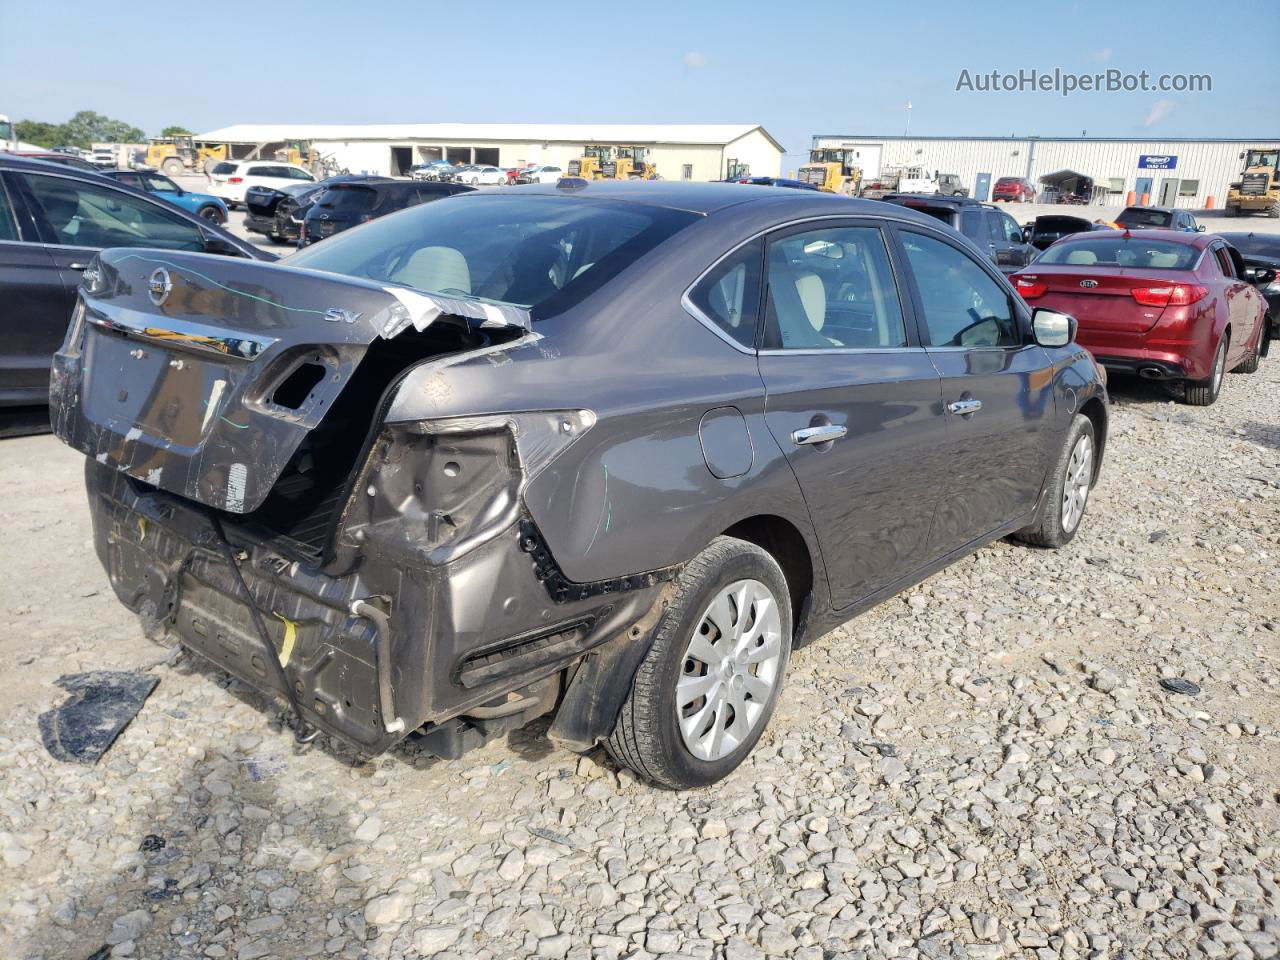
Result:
[983,767]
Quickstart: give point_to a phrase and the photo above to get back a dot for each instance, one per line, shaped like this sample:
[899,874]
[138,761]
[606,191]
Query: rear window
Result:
[225,167]
[1138,217]
[539,252]
[347,199]
[1114,250]
[1008,182]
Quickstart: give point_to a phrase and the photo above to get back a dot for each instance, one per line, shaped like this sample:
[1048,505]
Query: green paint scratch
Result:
[238,426]
[221,286]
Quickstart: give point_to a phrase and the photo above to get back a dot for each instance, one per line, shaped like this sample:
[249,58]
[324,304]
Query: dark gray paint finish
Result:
[639,490]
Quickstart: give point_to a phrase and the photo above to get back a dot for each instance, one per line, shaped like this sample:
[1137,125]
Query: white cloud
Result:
[1159,110]
[694,59]
[1101,56]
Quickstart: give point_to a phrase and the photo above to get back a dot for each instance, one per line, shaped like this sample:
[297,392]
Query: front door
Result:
[853,401]
[1168,191]
[983,187]
[997,390]
[1142,189]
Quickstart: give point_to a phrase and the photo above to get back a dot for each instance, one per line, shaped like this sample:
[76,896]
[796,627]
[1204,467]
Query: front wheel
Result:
[705,691]
[1202,393]
[212,214]
[1064,501]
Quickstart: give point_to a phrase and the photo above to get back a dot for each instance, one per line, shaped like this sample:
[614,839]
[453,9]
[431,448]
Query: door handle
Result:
[78,266]
[823,434]
[964,407]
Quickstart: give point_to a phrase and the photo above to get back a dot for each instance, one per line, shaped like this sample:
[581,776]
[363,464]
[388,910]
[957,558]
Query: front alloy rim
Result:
[1075,489]
[729,670]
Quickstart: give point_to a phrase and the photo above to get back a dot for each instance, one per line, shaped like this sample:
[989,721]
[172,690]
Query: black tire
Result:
[647,737]
[172,168]
[1053,526]
[1202,393]
[212,214]
[1268,334]
[1273,211]
[1230,211]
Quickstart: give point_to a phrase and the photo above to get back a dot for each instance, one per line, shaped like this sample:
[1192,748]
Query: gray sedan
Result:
[606,452]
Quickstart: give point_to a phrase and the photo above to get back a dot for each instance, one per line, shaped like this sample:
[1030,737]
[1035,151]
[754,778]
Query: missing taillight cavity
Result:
[295,388]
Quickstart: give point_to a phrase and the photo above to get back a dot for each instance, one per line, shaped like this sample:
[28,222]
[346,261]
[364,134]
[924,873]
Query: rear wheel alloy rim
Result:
[729,670]
[1219,367]
[1075,489]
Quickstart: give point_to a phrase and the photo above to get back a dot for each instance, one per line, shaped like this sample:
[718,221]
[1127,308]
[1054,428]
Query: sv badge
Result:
[336,315]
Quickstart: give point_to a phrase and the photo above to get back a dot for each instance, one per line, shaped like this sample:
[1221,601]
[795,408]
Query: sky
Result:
[798,70]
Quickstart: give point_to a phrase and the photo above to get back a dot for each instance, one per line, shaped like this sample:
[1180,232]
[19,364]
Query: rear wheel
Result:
[1064,501]
[1201,393]
[1230,211]
[1273,211]
[171,167]
[705,691]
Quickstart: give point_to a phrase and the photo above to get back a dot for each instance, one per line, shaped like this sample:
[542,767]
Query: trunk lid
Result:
[201,374]
[1100,300]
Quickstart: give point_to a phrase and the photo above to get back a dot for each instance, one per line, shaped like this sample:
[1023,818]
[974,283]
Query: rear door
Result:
[852,399]
[1012,251]
[36,304]
[996,391]
[1242,307]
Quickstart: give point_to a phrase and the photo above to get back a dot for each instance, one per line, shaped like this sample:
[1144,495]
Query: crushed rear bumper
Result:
[457,636]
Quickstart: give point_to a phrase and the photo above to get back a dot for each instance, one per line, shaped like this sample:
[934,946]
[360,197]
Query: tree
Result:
[38,132]
[176,132]
[87,127]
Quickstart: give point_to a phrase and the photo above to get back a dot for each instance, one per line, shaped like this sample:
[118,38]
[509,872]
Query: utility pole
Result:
[907,133]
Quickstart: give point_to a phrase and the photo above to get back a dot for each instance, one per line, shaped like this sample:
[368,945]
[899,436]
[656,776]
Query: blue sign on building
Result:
[1150,161]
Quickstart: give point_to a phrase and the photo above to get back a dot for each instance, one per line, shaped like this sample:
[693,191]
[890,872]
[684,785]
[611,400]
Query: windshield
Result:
[524,251]
[1138,217]
[1113,250]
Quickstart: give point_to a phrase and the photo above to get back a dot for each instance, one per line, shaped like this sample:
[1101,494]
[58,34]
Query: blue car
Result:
[201,204]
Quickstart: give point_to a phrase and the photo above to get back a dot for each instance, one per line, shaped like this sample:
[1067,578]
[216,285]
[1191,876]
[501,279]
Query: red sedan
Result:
[1163,305]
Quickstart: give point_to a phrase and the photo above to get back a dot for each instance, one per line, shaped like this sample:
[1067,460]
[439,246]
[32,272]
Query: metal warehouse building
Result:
[1181,173]
[681,151]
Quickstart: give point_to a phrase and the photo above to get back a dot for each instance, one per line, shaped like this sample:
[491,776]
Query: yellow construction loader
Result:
[831,171]
[176,155]
[1258,190]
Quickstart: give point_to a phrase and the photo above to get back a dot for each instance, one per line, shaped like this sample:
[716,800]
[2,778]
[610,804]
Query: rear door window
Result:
[832,288]
[971,225]
[1224,262]
[88,215]
[348,199]
[225,169]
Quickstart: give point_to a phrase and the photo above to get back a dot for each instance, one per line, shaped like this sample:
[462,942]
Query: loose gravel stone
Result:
[986,767]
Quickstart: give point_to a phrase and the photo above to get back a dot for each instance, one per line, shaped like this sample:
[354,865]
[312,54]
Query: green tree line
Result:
[84,129]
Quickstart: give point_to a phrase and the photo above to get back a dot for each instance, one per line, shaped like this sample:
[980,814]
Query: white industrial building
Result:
[680,151]
[1181,173]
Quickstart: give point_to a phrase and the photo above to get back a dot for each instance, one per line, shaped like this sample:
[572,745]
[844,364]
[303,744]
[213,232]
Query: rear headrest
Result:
[1082,257]
[435,269]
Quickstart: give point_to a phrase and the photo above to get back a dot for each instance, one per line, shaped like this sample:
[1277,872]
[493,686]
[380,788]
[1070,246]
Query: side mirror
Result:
[1051,328]
[216,244]
[1200,228]
[1260,275]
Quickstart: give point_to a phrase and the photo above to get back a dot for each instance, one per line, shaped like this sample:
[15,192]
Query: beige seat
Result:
[1083,258]
[813,297]
[1164,261]
[435,269]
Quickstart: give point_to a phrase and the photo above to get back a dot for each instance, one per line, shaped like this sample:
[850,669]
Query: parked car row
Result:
[487,174]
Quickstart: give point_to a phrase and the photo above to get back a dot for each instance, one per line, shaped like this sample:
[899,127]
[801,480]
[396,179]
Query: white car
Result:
[490,176]
[231,178]
[546,173]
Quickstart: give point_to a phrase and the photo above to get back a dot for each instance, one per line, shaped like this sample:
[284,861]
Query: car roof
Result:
[777,203]
[36,161]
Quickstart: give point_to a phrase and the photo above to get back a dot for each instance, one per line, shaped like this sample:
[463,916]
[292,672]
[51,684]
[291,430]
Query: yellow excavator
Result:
[1258,189]
[830,170]
[297,152]
[613,163]
[177,155]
